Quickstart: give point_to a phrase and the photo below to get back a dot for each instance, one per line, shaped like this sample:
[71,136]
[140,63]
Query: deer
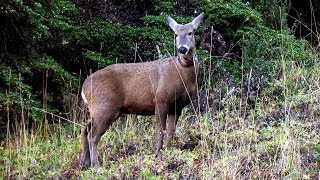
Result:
[161,87]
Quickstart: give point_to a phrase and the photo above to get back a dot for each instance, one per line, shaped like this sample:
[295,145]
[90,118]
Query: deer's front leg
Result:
[172,122]
[161,113]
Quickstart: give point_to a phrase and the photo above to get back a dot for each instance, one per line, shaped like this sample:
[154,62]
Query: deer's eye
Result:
[190,34]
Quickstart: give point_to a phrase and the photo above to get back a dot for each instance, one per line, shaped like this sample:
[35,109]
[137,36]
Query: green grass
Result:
[229,145]
[33,156]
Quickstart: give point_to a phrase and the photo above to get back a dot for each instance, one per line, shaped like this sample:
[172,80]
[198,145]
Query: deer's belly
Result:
[142,104]
[139,109]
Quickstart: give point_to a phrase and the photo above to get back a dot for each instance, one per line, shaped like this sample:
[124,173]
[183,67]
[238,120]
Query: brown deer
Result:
[162,88]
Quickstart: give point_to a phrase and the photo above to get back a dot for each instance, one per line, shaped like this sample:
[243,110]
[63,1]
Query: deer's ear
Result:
[196,22]
[172,23]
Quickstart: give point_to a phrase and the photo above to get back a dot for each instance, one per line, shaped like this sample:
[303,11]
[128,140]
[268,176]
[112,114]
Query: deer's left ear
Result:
[196,22]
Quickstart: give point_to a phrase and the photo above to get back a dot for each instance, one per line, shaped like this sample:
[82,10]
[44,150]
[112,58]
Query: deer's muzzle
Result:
[183,50]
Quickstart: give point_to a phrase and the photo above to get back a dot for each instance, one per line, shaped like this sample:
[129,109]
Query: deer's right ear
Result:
[172,23]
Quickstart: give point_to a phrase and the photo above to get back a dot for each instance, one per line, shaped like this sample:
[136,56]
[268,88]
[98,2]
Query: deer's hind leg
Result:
[101,121]
[85,156]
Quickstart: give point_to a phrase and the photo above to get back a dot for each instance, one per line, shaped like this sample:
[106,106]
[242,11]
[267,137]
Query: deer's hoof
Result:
[84,166]
[158,154]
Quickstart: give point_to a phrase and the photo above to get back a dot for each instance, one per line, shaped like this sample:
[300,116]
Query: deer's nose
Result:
[183,50]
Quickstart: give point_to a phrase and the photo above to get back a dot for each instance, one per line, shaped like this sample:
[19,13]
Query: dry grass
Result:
[269,140]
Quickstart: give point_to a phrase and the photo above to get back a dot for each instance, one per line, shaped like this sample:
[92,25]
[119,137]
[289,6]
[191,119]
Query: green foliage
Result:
[47,18]
[18,92]
[165,6]
[97,58]
[39,26]
[233,14]
[264,50]
[257,46]
[317,147]
[274,12]
[103,31]
[59,75]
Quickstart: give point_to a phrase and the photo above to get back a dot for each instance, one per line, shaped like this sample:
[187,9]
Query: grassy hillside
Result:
[274,138]
[256,115]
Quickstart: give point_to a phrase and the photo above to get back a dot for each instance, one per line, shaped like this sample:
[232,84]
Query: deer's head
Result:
[185,41]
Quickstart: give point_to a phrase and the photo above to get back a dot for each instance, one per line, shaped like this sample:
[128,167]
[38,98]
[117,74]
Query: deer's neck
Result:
[187,60]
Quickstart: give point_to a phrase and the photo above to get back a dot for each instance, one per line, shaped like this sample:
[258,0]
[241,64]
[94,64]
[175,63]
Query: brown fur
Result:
[162,88]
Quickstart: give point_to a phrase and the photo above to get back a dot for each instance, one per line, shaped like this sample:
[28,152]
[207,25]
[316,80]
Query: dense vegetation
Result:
[257,108]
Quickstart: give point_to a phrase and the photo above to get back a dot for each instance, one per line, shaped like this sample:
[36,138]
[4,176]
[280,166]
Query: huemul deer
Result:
[162,88]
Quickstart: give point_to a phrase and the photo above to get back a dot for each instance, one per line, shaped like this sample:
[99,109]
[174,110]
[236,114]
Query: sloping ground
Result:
[270,140]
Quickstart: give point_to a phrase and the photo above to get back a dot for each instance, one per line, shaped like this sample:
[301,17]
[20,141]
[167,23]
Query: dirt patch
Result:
[174,165]
[70,171]
[190,145]
[123,153]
